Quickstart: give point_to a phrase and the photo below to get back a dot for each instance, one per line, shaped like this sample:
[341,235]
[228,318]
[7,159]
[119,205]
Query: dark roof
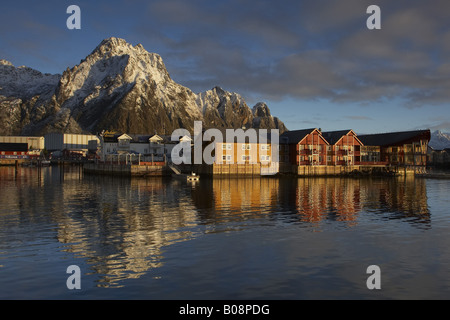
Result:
[394,138]
[13,146]
[333,136]
[295,136]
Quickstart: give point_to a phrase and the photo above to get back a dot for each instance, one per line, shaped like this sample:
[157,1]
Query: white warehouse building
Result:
[34,143]
[69,142]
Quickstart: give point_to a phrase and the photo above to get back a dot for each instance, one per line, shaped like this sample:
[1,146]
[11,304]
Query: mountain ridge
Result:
[439,140]
[117,87]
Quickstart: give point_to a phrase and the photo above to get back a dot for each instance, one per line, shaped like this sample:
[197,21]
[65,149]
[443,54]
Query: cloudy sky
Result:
[315,63]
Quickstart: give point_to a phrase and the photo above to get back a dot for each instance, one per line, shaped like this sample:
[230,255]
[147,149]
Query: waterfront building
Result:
[20,148]
[404,150]
[33,142]
[118,147]
[248,152]
[344,149]
[439,158]
[67,145]
[314,152]
[305,147]
[13,151]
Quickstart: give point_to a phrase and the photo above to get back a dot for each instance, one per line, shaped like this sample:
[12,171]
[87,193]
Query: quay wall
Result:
[289,169]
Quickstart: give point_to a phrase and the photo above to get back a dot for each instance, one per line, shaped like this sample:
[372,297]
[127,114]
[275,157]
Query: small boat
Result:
[193,177]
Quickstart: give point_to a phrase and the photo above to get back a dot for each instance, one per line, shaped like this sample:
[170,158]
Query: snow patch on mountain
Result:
[120,87]
[24,82]
[439,140]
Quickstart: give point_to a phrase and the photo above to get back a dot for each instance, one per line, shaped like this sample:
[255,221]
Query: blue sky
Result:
[314,63]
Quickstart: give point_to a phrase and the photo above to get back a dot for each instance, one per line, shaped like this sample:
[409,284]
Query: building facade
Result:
[406,149]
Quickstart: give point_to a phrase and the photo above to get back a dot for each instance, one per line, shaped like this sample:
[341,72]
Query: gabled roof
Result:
[124,136]
[296,136]
[394,138]
[334,137]
[155,137]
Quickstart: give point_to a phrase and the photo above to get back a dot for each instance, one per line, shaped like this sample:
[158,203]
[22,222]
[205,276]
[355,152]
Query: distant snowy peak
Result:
[439,140]
[24,82]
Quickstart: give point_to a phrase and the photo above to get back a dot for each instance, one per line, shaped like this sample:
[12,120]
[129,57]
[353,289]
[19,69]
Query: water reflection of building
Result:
[122,227]
[237,195]
[311,200]
[319,199]
[344,199]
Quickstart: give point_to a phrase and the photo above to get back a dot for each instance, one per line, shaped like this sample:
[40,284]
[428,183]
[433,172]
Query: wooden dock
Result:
[127,170]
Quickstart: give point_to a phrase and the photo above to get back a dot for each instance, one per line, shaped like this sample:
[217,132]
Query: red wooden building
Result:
[304,147]
[345,147]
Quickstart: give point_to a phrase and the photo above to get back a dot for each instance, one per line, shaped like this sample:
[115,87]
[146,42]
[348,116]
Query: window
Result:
[266,146]
[246,158]
[226,146]
[226,158]
[265,158]
[124,142]
[246,146]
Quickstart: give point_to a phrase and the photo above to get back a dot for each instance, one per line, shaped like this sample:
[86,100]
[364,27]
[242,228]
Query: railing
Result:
[374,163]
[174,168]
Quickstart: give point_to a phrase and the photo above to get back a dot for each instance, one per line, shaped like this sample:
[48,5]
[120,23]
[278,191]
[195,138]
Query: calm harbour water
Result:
[264,238]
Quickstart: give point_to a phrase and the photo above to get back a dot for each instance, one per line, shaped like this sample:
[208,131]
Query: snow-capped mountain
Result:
[117,87]
[439,140]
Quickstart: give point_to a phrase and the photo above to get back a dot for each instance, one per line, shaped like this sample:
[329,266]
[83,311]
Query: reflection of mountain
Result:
[122,227]
[118,225]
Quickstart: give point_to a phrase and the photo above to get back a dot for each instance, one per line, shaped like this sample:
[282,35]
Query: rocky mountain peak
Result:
[261,110]
[124,88]
[6,63]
